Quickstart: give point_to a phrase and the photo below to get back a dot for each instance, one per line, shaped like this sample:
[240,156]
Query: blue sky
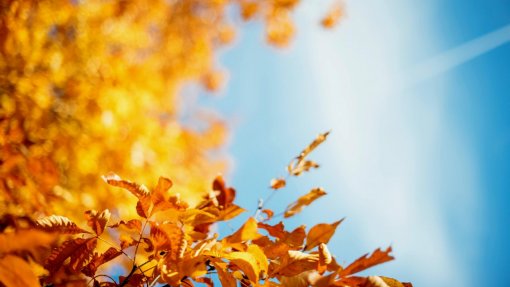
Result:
[417,96]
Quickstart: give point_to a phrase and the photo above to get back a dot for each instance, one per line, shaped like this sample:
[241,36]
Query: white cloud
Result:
[383,141]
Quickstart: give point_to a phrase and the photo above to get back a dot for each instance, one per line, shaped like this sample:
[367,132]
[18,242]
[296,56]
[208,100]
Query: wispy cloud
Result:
[385,140]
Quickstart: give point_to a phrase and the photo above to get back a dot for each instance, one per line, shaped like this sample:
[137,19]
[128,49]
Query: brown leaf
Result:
[15,272]
[97,221]
[130,224]
[226,194]
[136,189]
[366,261]
[79,250]
[59,224]
[320,233]
[247,232]
[298,163]
[303,201]
[167,237]
[98,260]
[277,183]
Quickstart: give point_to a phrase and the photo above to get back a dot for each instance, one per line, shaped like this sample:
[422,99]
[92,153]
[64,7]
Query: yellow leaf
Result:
[247,262]
[303,201]
[320,233]
[247,232]
[15,272]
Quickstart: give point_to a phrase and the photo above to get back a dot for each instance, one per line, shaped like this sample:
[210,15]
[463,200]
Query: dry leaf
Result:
[136,189]
[320,233]
[97,221]
[79,250]
[366,261]
[297,165]
[59,224]
[277,183]
[98,260]
[303,201]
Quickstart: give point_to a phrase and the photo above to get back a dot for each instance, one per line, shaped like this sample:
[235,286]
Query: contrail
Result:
[457,56]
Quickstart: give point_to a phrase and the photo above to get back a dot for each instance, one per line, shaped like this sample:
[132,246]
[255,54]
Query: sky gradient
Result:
[417,96]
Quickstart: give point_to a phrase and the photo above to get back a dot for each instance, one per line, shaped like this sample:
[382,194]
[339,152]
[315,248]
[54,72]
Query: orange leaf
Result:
[15,272]
[247,232]
[277,183]
[59,224]
[97,221]
[226,278]
[226,194]
[136,189]
[298,163]
[295,262]
[25,240]
[130,224]
[79,250]
[365,261]
[324,258]
[247,262]
[98,260]
[320,233]
[303,201]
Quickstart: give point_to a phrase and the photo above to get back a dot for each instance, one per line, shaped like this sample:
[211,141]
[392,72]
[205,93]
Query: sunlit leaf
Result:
[320,233]
[303,201]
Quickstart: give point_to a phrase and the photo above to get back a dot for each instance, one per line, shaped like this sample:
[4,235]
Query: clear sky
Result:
[417,96]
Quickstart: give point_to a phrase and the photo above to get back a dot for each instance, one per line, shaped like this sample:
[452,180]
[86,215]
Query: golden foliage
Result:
[92,86]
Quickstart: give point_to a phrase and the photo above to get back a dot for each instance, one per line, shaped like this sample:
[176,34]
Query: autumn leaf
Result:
[247,262]
[277,183]
[294,263]
[381,281]
[98,260]
[324,258]
[138,190]
[226,278]
[320,233]
[366,261]
[97,221]
[134,224]
[15,272]
[25,240]
[59,224]
[247,232]
[299,164]
[303,201]
[79,251]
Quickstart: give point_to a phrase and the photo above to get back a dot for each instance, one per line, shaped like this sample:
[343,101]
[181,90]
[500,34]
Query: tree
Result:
[89,87]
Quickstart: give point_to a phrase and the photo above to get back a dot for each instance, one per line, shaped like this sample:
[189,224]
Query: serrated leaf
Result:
[366,261]
[79,251]
[98,260]
[97,222]
[320,233]
[305,200]
[130,224]
[138,190]
[58,224]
